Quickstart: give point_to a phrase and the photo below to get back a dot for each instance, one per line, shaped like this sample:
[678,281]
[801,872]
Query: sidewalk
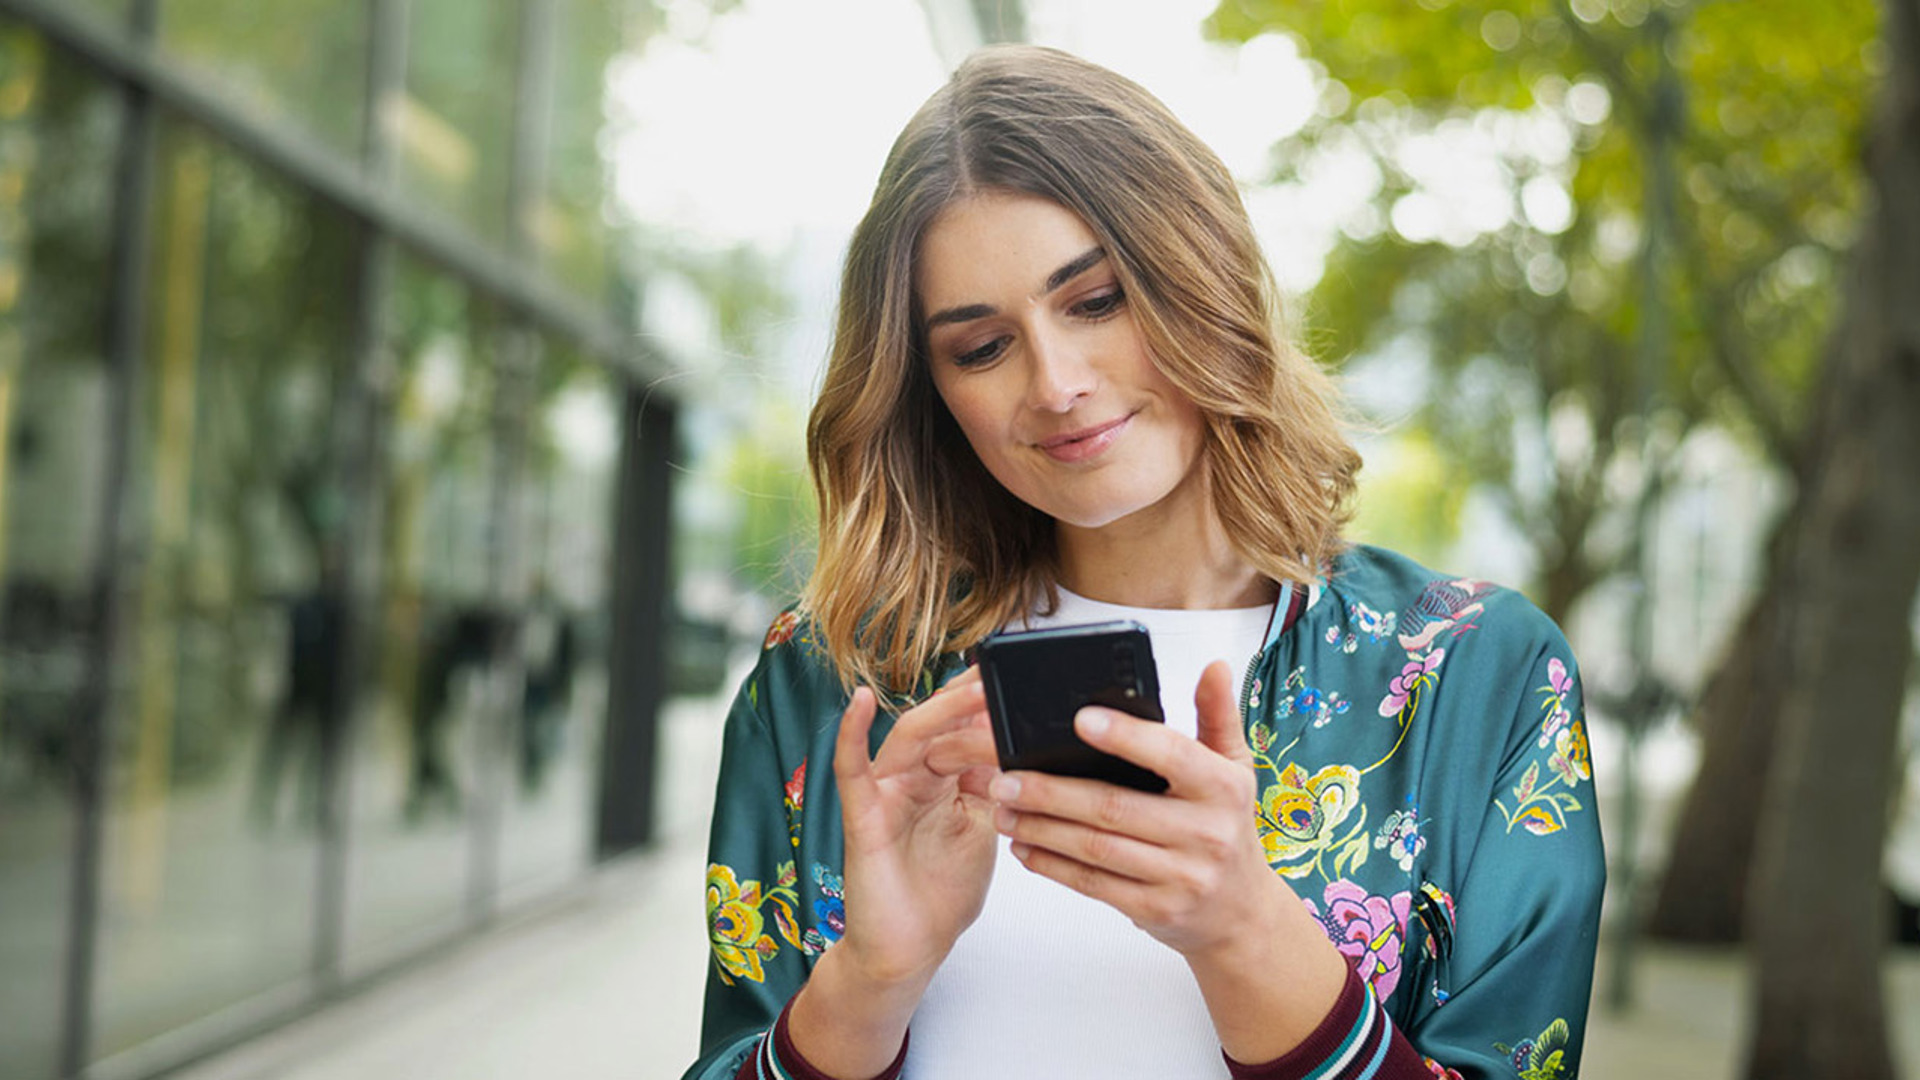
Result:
[606,986]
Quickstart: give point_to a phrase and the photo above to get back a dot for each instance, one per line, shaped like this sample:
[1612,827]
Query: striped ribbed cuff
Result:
[778,1059]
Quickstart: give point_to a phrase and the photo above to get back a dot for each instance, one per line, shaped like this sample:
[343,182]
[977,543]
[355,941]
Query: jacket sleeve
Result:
[759,950]
[1508,944]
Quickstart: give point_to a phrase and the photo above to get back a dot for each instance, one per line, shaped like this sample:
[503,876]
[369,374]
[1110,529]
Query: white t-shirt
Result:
[1048,983]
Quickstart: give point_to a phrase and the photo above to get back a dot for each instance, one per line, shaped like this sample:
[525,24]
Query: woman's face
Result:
[1036,353]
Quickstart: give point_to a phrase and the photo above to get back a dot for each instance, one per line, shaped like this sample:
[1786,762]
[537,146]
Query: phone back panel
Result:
[1036,680]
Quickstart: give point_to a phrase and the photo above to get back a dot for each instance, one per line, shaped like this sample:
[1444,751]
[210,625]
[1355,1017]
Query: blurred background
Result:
[401,409]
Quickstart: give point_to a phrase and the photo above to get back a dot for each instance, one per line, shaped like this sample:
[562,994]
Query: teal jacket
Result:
[1425,787]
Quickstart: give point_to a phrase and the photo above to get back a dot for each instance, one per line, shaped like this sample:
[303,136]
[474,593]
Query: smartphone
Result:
[1037,679]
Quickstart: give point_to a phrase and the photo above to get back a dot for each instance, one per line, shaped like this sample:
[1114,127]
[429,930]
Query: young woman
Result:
[1057,394]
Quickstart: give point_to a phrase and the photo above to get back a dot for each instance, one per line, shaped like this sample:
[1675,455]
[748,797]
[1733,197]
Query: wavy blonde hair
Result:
[921,551]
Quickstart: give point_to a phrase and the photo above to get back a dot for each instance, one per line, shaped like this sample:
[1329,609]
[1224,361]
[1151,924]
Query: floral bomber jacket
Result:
[1425,787]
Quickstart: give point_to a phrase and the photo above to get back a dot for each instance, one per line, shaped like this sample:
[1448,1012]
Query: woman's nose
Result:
[1059,373]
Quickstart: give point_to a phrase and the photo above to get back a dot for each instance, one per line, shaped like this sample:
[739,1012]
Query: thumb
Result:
[1220,728]
[852,768]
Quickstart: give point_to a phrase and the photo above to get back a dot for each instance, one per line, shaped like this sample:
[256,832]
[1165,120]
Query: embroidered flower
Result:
[1557,677]
[1370,622]
[1572,760]
[796,787]
[782,629]
[1418,672]
[796,798]
[829,912]
[832,906]
[1554,701]
[1319,705]
[1400,836]
[1368,929]
[1299,814]
[736,928]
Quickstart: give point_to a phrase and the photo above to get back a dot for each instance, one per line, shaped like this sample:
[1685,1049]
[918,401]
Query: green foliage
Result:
[1681,180]
[772,552]
[1408,502]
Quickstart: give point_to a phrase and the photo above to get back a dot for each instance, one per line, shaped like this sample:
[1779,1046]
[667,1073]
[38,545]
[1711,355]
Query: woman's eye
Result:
[1101,305]
[977,356]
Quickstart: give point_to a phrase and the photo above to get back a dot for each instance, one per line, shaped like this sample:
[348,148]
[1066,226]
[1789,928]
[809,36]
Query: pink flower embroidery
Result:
[1558,678]
[1368,929]
[1419,670]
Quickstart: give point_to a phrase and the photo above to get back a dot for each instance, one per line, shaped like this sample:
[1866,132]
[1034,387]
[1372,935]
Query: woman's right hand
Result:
[920,848]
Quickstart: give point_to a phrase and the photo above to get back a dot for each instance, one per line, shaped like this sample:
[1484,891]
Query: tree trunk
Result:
[1818,924]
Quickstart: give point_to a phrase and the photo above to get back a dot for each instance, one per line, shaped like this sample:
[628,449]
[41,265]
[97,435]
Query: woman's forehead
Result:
[994,247]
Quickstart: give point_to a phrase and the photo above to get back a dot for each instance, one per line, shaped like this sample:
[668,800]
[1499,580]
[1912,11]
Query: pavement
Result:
[605,983]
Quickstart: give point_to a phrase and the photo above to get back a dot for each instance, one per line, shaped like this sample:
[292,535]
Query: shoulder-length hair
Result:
[921,551]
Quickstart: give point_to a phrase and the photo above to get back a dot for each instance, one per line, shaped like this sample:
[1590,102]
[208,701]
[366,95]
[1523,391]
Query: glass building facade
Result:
[329,490]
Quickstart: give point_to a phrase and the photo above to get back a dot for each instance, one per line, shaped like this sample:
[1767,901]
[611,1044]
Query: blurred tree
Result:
[1674,186]
[1529,296]
[1819,922]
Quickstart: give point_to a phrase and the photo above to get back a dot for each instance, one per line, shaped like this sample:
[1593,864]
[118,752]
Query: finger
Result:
[1181,761]
[1221,728]
[1094,804]
[950,710]
[1124,894]
[957,751]
[1115,853]
[852,768]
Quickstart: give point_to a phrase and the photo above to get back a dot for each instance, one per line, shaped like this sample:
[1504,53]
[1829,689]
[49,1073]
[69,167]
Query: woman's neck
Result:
[1187,564]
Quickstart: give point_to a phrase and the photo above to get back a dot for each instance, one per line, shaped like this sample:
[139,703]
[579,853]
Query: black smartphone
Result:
[1037,679]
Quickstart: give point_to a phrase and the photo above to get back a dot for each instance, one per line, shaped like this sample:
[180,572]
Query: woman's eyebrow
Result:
[1073,268]
[1067,271]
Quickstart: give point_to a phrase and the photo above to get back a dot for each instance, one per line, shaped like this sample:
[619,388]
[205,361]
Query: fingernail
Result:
[1005,819]
[1004,788]
[1091,721]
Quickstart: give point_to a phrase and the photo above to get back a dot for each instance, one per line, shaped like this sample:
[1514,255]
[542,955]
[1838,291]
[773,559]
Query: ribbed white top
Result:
[1048,983]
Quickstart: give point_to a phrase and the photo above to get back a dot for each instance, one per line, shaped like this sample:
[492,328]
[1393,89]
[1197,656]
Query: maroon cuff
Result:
[779,1043]
[1296,1064]
[1356,1037]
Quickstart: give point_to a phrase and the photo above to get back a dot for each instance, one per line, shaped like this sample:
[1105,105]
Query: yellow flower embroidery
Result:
[1299,815]
[736,927]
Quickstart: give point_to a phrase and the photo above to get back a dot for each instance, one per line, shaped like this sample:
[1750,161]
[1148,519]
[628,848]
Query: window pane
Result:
[432,675]
[57,132]
[569,225]
[454,122]
[304,60]
[565,520]
[222,697]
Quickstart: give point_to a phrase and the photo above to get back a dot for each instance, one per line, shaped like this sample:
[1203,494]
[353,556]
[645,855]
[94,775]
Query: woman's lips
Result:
[1085,444]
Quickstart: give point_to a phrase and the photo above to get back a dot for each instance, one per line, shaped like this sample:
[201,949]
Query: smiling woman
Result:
[1052,385]
[1059,394]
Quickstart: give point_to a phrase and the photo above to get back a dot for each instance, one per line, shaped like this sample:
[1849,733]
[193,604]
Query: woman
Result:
[1056,395]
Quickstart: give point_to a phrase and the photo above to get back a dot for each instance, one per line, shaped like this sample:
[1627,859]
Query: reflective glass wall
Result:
[309,574]
[59,126]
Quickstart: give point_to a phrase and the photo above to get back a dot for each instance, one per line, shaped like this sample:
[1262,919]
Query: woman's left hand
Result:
[1186,866]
